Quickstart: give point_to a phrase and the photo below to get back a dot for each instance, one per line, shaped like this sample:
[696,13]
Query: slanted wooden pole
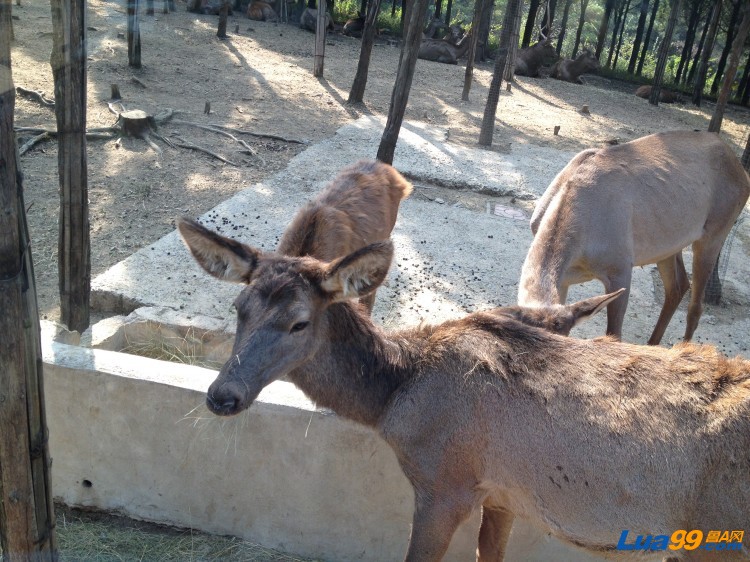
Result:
[27,518]
[69,71]
[320,39]
[404,75]
[357,93]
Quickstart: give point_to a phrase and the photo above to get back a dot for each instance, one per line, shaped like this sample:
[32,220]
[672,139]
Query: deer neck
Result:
[357,369]
[463,46]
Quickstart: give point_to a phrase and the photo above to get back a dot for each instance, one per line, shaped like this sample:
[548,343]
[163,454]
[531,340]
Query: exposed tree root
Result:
[189,146]
[38,96]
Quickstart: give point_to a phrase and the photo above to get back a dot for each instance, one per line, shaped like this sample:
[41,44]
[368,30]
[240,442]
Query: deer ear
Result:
[222,257]
[359,273]
[585,309]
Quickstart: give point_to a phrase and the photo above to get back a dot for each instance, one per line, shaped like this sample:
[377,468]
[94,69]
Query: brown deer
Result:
[441,50]
[357,208]
[261,11]
[633,204]
[531,59]
[586,438]
[665,96]
[571,70]
[309,20]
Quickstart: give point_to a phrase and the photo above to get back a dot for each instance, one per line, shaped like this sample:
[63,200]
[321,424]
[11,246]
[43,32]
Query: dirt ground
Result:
[260,79]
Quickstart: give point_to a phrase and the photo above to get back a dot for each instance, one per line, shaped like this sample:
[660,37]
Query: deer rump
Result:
[638,203]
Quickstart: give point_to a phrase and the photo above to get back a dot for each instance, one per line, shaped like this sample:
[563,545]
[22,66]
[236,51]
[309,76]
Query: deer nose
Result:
[224,400]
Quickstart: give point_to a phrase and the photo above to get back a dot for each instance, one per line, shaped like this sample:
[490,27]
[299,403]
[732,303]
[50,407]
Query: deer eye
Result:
[298,327]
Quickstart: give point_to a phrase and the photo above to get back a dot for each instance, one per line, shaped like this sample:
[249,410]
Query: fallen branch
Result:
[217,130]
[183,144]
[41,135]
[37,96]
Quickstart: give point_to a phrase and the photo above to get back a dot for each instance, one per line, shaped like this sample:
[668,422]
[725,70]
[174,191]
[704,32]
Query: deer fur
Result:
[358,207]
[584,438]
[309,20]
[633,204]
[665,96]
[571,70]
[531,59]
[441,50]
[261,11]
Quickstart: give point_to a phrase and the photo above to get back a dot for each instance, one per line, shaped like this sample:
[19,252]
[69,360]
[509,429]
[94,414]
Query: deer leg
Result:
[616,309]
[368,302]
[435,521]
[494,534]
[676,284]
[704,259]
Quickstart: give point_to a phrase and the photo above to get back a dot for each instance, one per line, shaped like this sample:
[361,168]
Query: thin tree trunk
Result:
[469,73]
[734,62]
[490,110]
[731,31]
[745,89]
[69,71]
[687,78]
[563,25]
[638,36]
[362,8]
[393,8]
[448,12]
[27,518]
[515,35]
[134,35]
[357,93]
[687,49]
[404,75]
[661,62]
[438,8]
[528,30]
[647,40]
[700,76]
[603,26]
[622,28]
[579,29]
[619,10]
[483,48]
[221,31]
[320,39]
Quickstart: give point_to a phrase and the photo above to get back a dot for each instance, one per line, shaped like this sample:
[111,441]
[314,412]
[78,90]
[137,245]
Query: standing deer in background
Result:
[642,202]
[584,438]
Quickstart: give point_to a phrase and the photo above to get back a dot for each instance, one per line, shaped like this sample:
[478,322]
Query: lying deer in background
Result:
[358,207]
[642,202]
[586,438]
[570,70]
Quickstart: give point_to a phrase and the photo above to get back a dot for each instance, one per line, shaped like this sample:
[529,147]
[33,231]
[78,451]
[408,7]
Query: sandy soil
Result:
[260,79]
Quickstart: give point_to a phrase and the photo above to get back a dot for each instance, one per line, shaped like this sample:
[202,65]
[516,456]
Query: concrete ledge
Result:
[131,434]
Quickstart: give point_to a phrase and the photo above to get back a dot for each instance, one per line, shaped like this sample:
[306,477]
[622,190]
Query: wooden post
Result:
[134,35]
[69,71]
[661,62]
[26,508]
[221,32]
[357,93]
[320,39]
[404,76]
[469,72]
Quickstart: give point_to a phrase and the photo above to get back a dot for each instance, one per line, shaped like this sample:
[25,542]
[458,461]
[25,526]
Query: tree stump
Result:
[136,123]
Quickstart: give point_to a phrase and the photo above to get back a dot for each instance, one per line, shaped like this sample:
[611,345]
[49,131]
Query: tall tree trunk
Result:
[700,76]
[515,35]
[731,32]
[563,25]
[647,40]
[638,36]
[483,47]
[490,110]
[221,31]
[134,35]
[742,89]
[687,49]
[438,8]
[448,11]
[603,26]
[404,75]
[622,28]
[362,8]
[393,8]
[69,71]
[27,517]
[469,73]
[661,62]
[320,39]
[357,93]
[579,29]
[528,30]
[734,62]
[687,77]
[619,13]
[149,7]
